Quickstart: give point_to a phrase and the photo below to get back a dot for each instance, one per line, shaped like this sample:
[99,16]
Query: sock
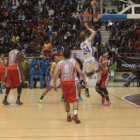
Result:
[19,90]
[5,98]
[75,112]
[7,93]
[106,93]
[68,113]
[18,98]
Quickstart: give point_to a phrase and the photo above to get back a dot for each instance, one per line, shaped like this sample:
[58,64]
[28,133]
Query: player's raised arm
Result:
[92,32]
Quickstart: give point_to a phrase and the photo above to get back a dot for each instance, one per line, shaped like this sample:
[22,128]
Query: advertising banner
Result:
[127,64]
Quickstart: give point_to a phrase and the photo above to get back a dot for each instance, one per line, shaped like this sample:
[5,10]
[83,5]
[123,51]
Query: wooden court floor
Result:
[47,121]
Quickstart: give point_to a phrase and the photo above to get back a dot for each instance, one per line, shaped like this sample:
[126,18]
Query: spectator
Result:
[47,48]
[34,61]
[36,74]
[136,75]
[44,66]
[98,38]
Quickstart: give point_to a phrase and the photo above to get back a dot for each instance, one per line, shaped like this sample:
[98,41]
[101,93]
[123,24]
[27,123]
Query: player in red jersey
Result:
[3,62]
[105,77]
[15,74]
[67,69]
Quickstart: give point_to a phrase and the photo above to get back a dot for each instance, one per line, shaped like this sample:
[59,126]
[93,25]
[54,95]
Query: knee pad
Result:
[98,88]
[105,90]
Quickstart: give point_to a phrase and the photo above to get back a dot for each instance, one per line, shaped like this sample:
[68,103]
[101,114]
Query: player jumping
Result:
[91,64]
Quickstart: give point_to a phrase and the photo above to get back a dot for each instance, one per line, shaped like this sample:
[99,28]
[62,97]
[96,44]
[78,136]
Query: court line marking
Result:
[120,98]
[36,137]
[123,98]
[78,128]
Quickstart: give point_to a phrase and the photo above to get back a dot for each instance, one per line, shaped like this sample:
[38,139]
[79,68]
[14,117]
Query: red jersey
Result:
[104,63]
[67,70]
[13,73]
[3,65]
[68,85]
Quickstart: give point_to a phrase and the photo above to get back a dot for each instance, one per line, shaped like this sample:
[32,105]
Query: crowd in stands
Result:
[125,37]
[32,23]
[121,5]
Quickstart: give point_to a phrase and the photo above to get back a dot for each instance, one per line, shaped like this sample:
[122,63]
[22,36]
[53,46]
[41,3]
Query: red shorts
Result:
[12,77]
[105,81]
[69,91]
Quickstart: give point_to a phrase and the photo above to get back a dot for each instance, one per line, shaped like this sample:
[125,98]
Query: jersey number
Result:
[86,50]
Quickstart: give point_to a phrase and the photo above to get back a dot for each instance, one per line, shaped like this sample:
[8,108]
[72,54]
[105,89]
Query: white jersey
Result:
[67,69]
[88,50]
[13,57]
[13,61]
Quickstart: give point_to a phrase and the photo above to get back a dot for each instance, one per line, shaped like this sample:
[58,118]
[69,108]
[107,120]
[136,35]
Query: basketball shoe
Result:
[76,119]
[18,102]
[103,100]
[68,118]
[107,103]
[40,101]
[5,102]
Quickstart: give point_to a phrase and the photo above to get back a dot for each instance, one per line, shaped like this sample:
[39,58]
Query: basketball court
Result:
[48,121]
[43,121]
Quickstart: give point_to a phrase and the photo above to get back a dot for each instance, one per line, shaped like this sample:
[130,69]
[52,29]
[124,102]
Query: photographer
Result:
[136,75]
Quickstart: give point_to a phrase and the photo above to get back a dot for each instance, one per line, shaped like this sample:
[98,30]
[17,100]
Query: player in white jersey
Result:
[49,75]
[91,64]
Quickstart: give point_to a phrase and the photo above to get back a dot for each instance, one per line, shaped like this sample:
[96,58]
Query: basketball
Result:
[93,4]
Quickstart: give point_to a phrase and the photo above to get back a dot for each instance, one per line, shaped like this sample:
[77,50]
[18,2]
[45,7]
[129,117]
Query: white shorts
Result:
[57,82]
[49,85]
[91,65]
[77,81]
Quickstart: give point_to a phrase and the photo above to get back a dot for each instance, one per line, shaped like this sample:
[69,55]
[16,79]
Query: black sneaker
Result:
[18,102]
[87,92]
[5,102]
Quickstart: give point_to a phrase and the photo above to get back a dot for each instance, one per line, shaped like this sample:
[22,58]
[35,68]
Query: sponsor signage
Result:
[127,64]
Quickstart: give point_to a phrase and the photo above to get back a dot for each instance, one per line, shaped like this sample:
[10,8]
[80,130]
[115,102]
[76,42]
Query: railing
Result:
[129,54]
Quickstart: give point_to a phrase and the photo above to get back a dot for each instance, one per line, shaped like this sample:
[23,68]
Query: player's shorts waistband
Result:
[90,74]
